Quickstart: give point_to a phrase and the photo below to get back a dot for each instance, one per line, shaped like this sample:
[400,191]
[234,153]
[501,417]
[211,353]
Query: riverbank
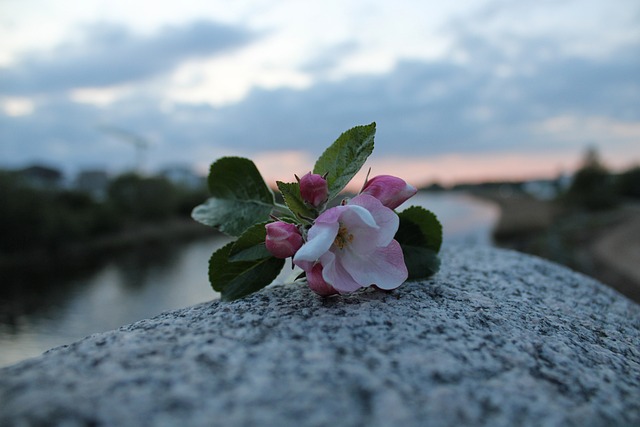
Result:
[166,270]
[84,254]
[604,244]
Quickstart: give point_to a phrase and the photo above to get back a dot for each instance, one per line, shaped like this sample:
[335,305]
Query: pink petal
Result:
[317,283]
[282,239]
[334,273]
[330,215]
[314,189]
[384,268]
[390,190]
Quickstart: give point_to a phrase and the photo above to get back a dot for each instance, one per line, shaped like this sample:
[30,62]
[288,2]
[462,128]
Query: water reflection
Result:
[38,313]
[465,220]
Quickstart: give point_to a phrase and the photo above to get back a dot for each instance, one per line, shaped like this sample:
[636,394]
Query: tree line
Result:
[594,187]
[49,218]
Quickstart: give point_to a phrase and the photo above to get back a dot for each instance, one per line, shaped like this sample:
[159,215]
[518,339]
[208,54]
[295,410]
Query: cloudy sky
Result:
[464,90]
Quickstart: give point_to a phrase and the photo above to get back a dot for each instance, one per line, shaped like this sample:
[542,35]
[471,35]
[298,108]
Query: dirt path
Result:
[519,214]
[603,245]
[619,251]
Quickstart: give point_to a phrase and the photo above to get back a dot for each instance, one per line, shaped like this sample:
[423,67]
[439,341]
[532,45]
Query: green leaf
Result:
[428,232]
[421,262]
[344,158]
[291,194]
[240,197]
[420,236]
[250,245]
[237,279]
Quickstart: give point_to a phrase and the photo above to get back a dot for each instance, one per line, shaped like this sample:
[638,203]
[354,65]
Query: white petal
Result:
[320,239]
[384,217]
[362,231]
[358,215]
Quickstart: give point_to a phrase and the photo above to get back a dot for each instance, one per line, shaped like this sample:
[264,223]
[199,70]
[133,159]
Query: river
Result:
[138,284]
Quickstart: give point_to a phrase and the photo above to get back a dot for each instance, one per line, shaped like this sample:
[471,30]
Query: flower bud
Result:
[317,283]
[314,189]
[283,239]
[390,190]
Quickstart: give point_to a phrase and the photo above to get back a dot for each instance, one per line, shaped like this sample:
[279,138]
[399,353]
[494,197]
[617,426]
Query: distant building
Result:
[94,182]
[41,177]
[182,175]
[547,189]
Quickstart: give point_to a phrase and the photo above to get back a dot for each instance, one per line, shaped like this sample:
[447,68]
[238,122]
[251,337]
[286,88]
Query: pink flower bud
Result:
[314,189]
[390,190]
[283,239]
[317,283]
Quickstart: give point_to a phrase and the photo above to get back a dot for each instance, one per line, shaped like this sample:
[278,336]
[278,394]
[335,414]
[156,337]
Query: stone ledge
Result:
[497,338]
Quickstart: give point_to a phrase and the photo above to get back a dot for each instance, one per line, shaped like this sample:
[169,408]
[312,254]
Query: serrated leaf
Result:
[240,197]
[250,245]
[237,279]
[292,198]
[344,158]
[420,236]
[238,178]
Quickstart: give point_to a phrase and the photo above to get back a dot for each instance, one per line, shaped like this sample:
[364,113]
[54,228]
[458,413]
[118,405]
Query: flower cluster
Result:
[340,247]
[350,246]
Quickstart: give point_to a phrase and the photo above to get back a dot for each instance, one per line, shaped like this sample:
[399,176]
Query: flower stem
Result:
[281,210]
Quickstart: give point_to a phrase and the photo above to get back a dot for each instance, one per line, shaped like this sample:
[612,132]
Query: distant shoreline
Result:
[604,245]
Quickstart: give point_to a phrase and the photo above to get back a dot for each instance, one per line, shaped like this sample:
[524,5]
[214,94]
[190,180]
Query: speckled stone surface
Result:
[496,338]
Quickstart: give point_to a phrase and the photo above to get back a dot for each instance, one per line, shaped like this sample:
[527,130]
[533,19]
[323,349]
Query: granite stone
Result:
[496,338]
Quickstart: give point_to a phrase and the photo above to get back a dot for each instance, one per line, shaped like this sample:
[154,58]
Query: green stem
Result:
[280,210]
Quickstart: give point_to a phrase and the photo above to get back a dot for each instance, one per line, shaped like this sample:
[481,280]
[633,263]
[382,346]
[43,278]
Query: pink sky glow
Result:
[446,169]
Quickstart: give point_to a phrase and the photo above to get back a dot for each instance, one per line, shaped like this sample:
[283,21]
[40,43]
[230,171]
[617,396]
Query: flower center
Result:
[343,238]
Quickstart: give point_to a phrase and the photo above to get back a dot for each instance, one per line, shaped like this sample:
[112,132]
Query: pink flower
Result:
[314,189]
[352,246]
[283,239]
[390,190]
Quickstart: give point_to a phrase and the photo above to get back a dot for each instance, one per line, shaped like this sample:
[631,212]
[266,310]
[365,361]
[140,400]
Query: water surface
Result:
[137,284]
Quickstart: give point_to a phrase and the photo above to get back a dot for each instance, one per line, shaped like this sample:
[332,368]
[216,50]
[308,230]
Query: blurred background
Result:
[519,120]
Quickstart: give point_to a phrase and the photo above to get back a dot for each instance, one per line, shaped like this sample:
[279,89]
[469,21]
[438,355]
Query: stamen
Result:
[343,238]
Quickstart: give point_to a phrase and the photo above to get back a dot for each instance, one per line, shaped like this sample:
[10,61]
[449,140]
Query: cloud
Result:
[529,100]
[485,103]
[592,86]
[110,54]
[328,59]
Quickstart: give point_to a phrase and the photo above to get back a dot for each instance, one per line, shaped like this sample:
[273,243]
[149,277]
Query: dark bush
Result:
[48,219]
[142,198]
[22,217]
[628,183]
[593,186]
